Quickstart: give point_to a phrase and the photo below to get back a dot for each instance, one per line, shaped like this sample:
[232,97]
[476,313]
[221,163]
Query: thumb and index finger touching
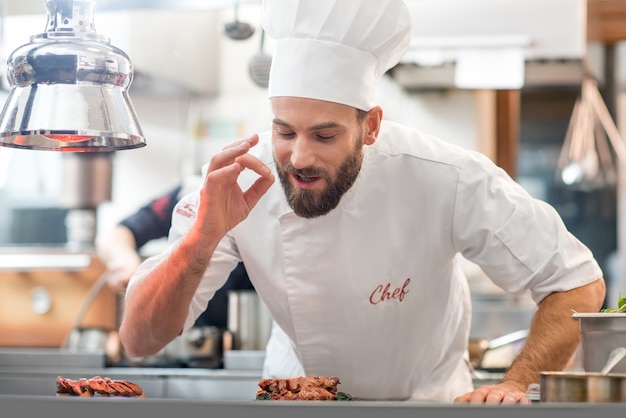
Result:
[234,159]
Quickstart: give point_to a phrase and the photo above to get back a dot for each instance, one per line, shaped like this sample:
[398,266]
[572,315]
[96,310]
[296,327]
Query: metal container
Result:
[87,179]
[249,321]
[197,347]
[96,340]
[601,333]
[582,387]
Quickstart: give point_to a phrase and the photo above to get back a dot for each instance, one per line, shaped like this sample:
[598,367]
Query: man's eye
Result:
[325,137]
[286,134]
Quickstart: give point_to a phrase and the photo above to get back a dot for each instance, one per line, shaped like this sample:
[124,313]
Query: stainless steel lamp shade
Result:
[69,88]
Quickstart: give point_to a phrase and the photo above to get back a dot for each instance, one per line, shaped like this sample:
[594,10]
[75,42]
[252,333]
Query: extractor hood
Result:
[546,37]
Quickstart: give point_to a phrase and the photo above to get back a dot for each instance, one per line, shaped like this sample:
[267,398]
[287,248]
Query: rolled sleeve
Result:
[520,242]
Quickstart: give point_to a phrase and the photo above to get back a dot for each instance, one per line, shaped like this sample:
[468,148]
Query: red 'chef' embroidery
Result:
[187,210]
[385,292]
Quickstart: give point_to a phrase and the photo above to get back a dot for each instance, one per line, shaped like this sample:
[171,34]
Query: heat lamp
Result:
[69,88]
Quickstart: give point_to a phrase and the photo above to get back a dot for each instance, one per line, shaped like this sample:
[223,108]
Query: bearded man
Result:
[355,250]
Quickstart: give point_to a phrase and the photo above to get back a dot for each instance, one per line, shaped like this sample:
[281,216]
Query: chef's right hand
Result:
[223,204]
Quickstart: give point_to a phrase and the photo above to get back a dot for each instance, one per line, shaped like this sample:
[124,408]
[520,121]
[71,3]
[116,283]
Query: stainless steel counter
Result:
[50,406]
[28,389]
[175,383]
[33,372]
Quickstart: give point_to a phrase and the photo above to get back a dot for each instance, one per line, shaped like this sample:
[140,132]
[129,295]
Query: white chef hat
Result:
[334,50]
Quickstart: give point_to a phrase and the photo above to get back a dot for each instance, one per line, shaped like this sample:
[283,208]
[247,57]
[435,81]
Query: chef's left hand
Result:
[501,393]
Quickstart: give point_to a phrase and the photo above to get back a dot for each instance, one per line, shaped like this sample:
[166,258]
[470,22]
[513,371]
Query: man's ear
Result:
[372,124]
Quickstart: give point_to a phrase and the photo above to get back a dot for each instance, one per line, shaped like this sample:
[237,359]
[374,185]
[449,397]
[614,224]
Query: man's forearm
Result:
[554,334]
[157,303]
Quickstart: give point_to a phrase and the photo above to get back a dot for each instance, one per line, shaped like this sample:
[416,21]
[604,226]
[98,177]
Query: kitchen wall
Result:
[186,117]
[185,121]
[182,123]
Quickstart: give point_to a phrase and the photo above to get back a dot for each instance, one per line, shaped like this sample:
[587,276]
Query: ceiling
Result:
[22,7]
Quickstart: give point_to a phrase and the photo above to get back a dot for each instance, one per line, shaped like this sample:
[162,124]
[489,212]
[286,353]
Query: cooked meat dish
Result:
[102,386]
[304,388]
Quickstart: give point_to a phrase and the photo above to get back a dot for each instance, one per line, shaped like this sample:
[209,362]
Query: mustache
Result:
[304,172]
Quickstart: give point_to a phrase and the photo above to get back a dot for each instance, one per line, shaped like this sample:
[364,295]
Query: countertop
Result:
[33,372]
[188,392]
[164,383]
[52,406]
[28,389]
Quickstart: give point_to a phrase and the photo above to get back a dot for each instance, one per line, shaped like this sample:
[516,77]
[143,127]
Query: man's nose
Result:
[302,153]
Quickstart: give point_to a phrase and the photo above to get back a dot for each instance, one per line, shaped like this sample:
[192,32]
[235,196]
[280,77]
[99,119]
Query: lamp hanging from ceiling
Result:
[69,88]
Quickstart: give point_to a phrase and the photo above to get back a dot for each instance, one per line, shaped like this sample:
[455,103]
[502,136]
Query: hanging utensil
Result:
[260,65]
[238,30]
[587,160]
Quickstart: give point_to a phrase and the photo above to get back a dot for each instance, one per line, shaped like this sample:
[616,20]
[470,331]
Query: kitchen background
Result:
[193,93]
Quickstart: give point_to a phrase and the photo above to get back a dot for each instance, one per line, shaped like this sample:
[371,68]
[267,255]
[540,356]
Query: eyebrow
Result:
[323,125]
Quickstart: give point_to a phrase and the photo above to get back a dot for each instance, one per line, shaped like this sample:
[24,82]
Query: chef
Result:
[350,227]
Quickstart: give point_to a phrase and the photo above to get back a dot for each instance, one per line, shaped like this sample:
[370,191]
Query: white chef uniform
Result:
[372,292]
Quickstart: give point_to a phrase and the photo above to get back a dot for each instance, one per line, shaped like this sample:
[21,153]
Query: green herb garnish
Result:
[342,396]
[621,306]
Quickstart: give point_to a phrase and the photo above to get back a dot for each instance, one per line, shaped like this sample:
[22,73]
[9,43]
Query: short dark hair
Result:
[361,115]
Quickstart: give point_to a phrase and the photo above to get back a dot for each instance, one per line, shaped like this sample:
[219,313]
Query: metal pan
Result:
[587,387]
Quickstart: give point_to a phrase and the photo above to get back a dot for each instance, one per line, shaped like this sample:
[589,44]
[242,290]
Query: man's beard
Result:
[310,203]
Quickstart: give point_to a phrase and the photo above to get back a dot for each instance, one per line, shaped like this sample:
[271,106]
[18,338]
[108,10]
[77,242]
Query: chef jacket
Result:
[373,291]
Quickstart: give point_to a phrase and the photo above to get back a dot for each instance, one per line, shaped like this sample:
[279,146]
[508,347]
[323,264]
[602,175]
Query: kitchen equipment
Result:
[479,347]
[244,360]
[586,386]
[49,358]
[87,179]
[84,306]
[614,358]
[69,88]
[259,67]
[601,333]
[582,387]
[197,347]
[238,30]
[586,161]
[249,321]
[41,292]
[95,340]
